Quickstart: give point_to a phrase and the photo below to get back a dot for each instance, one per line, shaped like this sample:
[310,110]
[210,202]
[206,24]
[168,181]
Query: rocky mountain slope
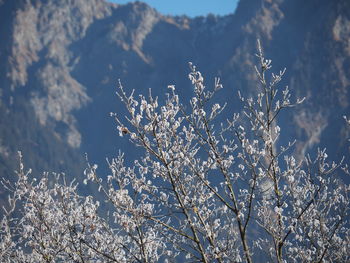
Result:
[60,61]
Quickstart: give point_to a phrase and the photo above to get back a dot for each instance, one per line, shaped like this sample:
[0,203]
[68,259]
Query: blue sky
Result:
[189,7]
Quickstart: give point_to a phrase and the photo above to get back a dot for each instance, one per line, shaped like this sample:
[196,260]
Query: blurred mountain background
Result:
[60,61]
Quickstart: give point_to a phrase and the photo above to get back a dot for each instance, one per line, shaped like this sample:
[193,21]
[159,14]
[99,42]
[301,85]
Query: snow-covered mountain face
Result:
[60,61]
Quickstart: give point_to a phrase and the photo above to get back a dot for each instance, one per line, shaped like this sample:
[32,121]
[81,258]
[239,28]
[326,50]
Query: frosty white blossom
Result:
[208,186]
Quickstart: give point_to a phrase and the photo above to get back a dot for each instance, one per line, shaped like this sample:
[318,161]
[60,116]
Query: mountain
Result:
[60,62]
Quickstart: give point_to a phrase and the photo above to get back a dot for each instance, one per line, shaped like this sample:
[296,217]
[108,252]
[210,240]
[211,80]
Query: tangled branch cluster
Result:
[202,191]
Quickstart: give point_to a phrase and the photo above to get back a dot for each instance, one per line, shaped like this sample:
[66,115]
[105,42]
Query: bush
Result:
[201,191]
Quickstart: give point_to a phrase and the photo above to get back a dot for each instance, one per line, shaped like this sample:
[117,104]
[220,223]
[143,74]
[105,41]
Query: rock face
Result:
[60,60]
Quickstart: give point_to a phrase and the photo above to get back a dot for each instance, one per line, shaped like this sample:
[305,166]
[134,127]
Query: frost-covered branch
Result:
[208,185]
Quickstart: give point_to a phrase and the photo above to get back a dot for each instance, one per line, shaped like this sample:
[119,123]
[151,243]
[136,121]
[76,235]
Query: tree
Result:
[201,190]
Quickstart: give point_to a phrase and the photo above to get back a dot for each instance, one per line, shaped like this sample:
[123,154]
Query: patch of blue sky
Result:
[191,8]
